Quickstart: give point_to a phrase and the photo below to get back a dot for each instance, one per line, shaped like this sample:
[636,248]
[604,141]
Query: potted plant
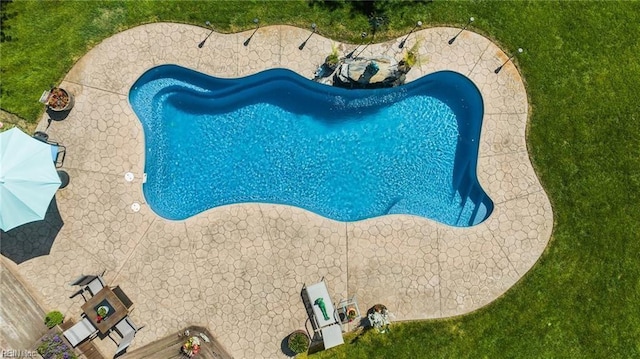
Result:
[102,313]
[410,58]
[298,341]
[53,318]
[351,314]
[57,99]
[379,318]
[332,60]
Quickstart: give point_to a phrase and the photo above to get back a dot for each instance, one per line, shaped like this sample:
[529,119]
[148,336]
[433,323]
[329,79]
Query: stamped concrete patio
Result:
[238,270]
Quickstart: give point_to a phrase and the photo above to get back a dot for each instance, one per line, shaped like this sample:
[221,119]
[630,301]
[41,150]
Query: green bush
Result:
[298,342]
[412,57]
[53,318]
[333,58]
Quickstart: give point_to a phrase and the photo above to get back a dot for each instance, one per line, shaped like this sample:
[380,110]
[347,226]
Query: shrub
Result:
[53,318]
[412,56]
[298,342]
[333,58]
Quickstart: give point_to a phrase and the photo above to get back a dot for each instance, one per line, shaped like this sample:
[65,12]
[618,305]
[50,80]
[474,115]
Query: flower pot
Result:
[298,341]
[351,314]
[58,99]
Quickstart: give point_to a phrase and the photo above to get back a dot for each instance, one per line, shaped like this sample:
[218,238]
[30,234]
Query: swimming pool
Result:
[276,137]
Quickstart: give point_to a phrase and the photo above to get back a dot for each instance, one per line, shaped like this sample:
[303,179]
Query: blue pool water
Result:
[276,137]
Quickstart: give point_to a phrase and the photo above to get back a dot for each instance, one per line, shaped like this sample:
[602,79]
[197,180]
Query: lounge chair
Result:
[325,317]
[80,331]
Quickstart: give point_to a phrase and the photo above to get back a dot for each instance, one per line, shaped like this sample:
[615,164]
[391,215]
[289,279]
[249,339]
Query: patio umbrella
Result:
[28,179]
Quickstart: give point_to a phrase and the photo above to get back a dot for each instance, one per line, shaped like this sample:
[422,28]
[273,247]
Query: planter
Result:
[298,341]
[331,62]
[53,318]
[351,314]
[379,318]
[57,99]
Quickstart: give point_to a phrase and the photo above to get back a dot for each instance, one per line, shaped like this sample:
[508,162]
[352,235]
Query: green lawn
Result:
[582,68]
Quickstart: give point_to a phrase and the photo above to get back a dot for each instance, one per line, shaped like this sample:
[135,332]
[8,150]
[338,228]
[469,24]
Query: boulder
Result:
[374,72]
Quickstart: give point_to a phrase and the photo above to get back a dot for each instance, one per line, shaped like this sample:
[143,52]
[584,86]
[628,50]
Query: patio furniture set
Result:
[105,313]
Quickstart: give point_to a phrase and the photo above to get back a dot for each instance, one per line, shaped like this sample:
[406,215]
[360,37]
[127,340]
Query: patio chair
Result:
[127,330]
[83,280]
[91,283]
[58,151]
[95,285]
[325,317]
[80,332]
[124,343]
[123,297]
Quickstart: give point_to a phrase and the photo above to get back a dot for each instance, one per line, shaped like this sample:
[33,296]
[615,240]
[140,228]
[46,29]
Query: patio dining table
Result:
[116,309]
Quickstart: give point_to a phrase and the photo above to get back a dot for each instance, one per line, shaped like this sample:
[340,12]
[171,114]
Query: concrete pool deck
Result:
[239,270]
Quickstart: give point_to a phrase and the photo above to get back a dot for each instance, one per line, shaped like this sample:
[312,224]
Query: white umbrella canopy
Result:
[28,179]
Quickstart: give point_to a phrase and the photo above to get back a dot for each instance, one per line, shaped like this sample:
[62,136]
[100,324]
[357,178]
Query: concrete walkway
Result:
[238,270]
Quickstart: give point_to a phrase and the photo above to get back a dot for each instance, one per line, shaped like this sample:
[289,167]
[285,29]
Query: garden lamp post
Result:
[314,28]
[509,59]
[471,19]
[417,25]
[373,36]
[362,36]
[255,21]
[205,39]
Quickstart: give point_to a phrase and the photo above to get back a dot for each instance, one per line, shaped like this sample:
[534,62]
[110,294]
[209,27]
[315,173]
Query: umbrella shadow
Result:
[33,239]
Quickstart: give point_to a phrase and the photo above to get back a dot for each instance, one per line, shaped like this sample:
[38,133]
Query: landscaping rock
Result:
[375,72]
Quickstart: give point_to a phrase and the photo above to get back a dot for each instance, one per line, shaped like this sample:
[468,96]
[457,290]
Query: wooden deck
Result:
[90,351]
[21,313]
[85,349]
[169,347]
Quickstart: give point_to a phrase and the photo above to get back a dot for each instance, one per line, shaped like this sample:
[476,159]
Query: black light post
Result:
[205,39]
[471,19]
[417,25]
[314,28]
[509,59]
[376,22]
[255,21]
[362,36]
[373,36]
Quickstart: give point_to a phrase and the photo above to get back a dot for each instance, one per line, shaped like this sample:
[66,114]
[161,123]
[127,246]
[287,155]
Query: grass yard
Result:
[582,68]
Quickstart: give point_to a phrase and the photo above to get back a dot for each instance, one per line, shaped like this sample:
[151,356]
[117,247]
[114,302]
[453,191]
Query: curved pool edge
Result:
[418,268]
